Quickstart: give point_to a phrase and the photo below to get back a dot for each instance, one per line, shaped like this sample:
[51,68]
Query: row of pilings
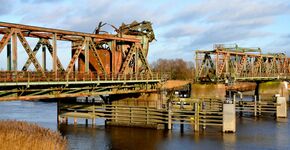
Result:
[208,105]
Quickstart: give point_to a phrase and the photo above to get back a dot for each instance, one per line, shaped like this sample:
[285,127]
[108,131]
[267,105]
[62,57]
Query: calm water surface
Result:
[259,133]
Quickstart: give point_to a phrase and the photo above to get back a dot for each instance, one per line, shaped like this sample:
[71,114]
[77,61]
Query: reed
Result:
[22,135]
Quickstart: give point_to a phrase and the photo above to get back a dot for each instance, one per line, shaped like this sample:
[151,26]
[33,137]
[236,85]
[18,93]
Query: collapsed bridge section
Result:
[106,61]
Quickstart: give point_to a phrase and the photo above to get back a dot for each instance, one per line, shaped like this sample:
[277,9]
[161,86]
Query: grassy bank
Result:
[22,135]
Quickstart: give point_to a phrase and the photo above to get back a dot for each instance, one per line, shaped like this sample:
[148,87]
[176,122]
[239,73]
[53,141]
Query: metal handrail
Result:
[32,76]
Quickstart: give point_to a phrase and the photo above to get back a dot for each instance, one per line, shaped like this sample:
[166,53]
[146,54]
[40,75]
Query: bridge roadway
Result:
[31,85]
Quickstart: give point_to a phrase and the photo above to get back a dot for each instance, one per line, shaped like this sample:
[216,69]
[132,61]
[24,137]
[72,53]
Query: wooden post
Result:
[75,119]
[255,105]
[94,115]
[260,106]
[58,110]
[196,116]
[169,116]
[234,99]
[131,117]
[147,116]
[87,122]
[203,108]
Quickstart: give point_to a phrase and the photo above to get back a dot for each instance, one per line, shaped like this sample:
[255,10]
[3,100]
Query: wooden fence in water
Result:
[206,113]
[198,113]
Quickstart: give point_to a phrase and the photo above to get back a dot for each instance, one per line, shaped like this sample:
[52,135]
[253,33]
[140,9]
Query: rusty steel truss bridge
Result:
[229,63]
[100,63]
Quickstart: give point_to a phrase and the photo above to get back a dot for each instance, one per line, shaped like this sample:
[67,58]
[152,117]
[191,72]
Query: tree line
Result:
[174,69]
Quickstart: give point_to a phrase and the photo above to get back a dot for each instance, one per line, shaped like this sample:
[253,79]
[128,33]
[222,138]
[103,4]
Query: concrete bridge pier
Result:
[217,92]
[229,117]
[266,91]
[276,92]
[281,111]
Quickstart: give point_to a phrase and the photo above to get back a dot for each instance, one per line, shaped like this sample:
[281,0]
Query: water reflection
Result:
[252,133]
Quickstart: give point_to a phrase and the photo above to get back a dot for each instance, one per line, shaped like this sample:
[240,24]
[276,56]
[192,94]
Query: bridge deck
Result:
[30,85]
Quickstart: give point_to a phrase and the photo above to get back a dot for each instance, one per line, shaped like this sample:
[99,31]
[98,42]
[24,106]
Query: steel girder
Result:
[222,64]
[42,90]
[97,56]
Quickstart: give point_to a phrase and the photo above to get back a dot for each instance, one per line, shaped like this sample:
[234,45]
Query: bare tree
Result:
[175,69]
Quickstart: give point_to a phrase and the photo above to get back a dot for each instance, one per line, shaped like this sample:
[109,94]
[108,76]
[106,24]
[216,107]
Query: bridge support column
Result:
[199,91]
[281,110]
[267,90]
[229,118]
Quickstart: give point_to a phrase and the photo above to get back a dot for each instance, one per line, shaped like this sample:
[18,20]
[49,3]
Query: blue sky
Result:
[181,26]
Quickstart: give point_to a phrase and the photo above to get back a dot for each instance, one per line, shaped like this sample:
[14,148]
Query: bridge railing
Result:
[263,75]
[30,76]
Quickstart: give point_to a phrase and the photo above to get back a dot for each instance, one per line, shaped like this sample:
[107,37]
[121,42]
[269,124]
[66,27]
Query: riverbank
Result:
[27,136]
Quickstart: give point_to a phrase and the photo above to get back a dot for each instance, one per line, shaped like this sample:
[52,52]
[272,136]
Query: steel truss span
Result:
[98,62]
[230,63]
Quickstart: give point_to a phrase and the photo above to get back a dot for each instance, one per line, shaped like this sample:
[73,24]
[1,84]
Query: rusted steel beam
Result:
[38,97]
[229,65]
[50,50]
[98,59]
[234,53]
[65,32]
[43,35]
[143,59]
[74,57]
[30,53]
[54,54]
[28,61]
[87,56]
[5,39]
[14,51]
[127,59]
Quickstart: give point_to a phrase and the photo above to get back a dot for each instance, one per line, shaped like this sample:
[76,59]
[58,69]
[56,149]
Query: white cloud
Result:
[179,25]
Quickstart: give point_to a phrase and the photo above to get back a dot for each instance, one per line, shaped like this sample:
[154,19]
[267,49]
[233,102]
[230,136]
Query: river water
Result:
[252,133]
